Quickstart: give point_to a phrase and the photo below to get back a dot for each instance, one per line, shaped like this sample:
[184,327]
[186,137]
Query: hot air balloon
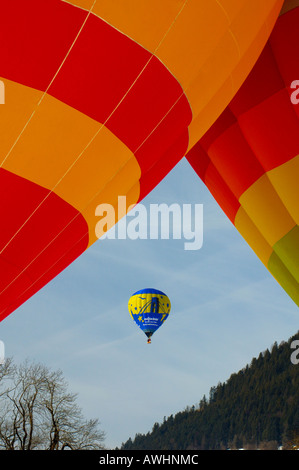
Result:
[149,308]
[103,98]
[249,158]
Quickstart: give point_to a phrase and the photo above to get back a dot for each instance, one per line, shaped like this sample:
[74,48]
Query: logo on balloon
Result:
[157,221]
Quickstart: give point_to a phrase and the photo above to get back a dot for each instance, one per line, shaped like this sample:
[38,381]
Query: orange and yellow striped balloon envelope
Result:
[249,159]
[103,98]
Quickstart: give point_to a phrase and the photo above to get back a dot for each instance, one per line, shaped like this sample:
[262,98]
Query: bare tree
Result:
[38,412]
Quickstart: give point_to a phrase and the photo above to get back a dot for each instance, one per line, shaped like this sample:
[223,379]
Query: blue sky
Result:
[226,309]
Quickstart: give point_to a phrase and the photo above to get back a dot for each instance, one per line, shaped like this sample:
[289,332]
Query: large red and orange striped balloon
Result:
[249,159]
[103,98]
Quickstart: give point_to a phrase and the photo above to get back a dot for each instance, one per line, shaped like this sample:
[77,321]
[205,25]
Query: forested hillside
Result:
[258,407]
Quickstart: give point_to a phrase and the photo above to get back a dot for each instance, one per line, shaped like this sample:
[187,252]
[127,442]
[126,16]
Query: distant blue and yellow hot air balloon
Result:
[149,308]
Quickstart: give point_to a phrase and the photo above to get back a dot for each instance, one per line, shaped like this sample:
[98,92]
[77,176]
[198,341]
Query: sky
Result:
[226,309]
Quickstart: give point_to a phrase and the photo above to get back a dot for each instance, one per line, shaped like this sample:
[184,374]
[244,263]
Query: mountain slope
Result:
[258,407]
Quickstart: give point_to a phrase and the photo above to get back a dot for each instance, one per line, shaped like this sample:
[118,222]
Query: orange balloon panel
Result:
[249,158]
[101,98]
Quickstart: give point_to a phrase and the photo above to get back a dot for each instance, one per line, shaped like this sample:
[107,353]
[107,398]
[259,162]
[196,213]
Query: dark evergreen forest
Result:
[256,408]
